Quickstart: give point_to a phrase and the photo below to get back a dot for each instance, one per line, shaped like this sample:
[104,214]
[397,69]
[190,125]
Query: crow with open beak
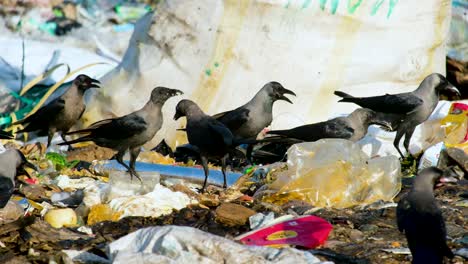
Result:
[62,113]
[248,120]
[405,111]
[131,131]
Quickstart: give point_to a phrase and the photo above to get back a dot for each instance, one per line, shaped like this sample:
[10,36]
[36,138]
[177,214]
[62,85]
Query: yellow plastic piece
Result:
[102,212]
[59,218]
[155,157]
[456,125]
[41,77]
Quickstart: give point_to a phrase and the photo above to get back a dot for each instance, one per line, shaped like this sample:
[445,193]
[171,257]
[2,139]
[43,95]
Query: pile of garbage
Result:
[101,25]
[328,202]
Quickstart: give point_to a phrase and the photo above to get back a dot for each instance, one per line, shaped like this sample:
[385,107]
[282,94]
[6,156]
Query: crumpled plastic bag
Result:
[96,193]
[336,173]
[161,201]
[177,244]
[76,256]
[63,181]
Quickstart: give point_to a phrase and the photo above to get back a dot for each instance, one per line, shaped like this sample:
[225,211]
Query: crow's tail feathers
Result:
[345,97]
[78,140]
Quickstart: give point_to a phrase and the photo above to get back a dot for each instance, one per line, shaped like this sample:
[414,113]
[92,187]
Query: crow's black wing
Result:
[219,129]
[233,119]
[390,103]
[335,128]
[41,119]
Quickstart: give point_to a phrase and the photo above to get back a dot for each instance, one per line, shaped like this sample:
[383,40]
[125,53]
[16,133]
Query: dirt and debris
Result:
[361,234]
[230,214]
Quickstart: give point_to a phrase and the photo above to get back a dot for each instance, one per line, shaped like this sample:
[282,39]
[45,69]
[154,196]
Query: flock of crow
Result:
[216,136]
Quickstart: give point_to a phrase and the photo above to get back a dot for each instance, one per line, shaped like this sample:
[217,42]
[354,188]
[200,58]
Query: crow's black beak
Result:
[26,164]
[286,91]
[176,92]
[95,83]
[284,98]
[177,115]
[282,92]
[451,179]
[446,180]
[450,87]
[30,165]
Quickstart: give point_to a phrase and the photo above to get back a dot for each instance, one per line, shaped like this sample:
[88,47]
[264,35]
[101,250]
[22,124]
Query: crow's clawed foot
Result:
[134,173]
[200,190]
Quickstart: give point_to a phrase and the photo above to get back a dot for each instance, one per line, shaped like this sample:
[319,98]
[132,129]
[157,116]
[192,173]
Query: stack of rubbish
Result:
[66,197]
[58,18]
[318,200]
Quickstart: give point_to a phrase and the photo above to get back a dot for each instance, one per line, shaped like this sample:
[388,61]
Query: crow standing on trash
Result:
[131,131]
[211,138]
[248,120]
[405,111]
[62,113]
[10,161]
[421,219]
[352,127]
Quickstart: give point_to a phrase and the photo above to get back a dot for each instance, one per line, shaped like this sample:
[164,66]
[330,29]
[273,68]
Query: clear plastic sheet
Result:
[336,173]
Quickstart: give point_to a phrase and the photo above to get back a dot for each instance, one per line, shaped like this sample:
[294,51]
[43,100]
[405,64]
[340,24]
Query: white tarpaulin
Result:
[220,53]
[183,244]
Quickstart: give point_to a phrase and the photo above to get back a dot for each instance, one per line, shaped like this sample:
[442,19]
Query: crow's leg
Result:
[119,158]
[50,135]
[223,169]
[204,162]
[62,135]
[134,152]
[408,135]
[396,142]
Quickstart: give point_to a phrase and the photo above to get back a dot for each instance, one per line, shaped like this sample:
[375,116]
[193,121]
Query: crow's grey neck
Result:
[423,186]
[151,107]
[73,93]
[10,163]
[261,100]
[194,112]
[427,89]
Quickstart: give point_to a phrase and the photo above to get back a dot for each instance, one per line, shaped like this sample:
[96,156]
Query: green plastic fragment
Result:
[57,12]
[249,169]
[59,161]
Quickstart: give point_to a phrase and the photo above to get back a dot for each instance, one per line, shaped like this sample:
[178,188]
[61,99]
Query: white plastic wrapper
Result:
[161,201]
[177,244]
[431,156]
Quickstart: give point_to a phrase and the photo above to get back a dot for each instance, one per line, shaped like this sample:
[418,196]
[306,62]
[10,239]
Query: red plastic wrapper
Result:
[307,231]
